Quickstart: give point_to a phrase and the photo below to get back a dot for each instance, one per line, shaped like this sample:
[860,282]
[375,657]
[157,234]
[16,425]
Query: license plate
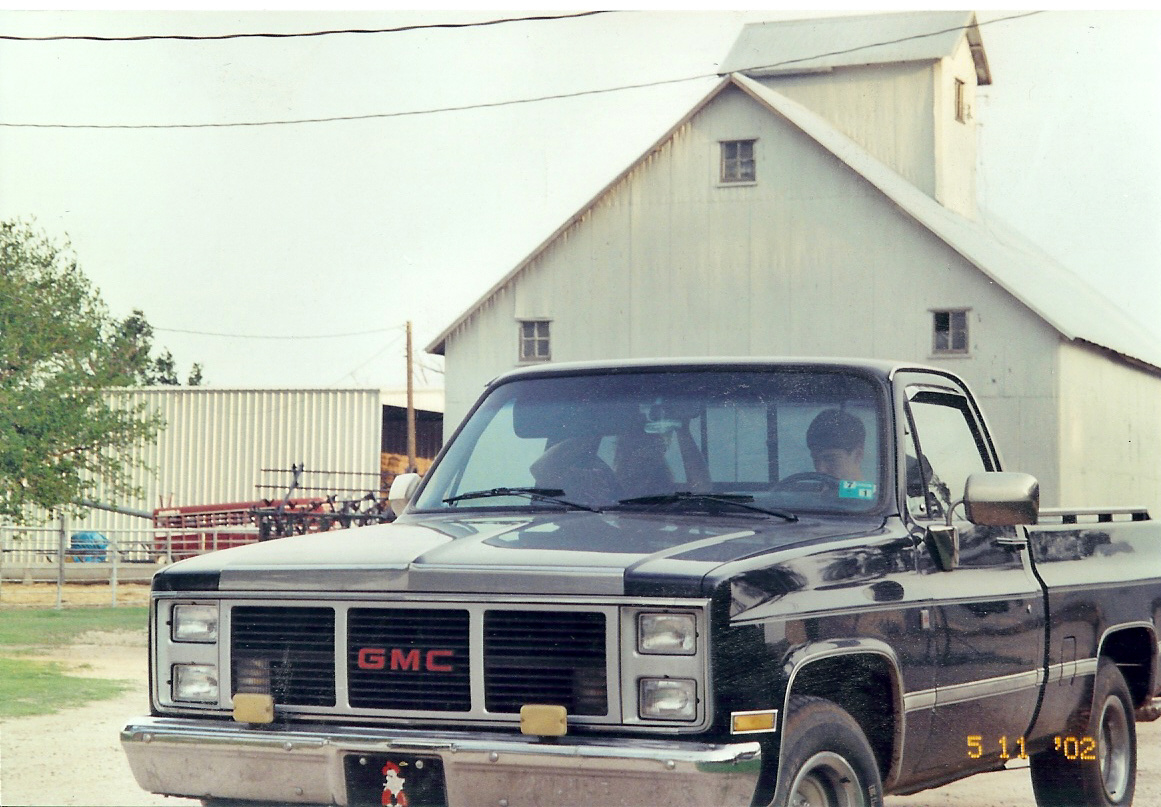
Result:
[394,780]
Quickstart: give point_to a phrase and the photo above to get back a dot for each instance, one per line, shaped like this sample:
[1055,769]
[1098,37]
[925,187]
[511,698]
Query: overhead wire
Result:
[293,337]
[296,35]
[510,102]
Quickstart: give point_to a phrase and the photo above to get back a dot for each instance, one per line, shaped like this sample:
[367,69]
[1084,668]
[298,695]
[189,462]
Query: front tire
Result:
[1108,780]
[826,759]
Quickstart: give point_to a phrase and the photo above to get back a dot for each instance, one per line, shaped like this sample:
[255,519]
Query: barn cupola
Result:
[903,86]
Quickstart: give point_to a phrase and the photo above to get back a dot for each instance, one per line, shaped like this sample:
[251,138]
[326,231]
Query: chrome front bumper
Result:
[304,765]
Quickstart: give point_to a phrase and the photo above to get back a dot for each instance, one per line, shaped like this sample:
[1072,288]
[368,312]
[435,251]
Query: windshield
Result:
[782,439]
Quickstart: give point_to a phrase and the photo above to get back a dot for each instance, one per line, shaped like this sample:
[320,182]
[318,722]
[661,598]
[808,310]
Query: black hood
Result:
[581,553]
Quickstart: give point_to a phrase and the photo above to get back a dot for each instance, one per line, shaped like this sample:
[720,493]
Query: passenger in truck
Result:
[836,441]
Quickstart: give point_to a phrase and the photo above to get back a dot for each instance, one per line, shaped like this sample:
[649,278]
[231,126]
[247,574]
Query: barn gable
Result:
[1051,292]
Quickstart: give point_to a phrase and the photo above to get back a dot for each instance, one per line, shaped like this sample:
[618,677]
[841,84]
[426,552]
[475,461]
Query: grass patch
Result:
[40,688]
[48,627]
[29,687]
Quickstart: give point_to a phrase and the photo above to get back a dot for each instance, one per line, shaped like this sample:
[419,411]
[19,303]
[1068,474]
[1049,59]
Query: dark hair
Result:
[834,428]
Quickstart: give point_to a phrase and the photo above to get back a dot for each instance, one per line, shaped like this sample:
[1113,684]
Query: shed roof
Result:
[1051,291]
[819,44]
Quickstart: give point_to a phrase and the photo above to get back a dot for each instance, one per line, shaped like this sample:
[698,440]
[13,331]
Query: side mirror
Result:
[402,489]
[1001,499]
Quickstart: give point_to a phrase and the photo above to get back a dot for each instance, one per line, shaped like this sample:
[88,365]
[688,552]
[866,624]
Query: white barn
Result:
[826,205]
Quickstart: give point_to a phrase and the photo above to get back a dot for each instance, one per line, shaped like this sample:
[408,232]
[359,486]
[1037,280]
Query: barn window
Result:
[738,161]
[534,341]
[950,331]
[960,101]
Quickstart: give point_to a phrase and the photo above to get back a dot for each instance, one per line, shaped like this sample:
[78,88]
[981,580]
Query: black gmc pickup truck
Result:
[699,582]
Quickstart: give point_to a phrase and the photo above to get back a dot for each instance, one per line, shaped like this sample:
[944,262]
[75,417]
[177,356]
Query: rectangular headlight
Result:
[668,698]
[195,623]
[195,682]
[667,634]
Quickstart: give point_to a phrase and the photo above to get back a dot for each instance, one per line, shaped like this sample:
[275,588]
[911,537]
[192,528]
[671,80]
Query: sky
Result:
[292,255]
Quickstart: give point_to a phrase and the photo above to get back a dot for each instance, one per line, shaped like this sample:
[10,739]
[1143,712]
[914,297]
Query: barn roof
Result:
[1060,297]
[1054,293]
[819,44]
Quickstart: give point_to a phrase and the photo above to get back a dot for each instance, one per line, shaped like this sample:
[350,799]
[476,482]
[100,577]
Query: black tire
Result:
[826,760]
[1109,779]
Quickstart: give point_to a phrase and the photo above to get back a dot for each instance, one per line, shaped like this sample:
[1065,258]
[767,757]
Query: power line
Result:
[343,118]
[295,337]
[496,104]
[270,35]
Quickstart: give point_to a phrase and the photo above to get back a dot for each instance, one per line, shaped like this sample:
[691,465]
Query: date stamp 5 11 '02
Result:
[1074,749]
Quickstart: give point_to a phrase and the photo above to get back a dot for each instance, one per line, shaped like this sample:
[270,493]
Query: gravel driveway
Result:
[74,757]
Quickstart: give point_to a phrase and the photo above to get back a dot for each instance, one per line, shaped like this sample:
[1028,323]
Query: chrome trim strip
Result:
[988,687]
[305,764]
[991,687]
[919,699]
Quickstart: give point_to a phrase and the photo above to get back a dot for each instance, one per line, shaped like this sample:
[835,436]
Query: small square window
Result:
[738,161]
[534,341]
[950,331]
[960,101]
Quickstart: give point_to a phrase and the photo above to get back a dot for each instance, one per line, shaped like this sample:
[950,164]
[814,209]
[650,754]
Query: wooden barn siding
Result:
[810,261]
[1110,431]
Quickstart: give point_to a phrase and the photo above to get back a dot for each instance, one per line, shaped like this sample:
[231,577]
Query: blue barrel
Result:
[88,547]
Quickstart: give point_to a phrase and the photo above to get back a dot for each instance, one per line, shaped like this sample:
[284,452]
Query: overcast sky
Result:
[285,237]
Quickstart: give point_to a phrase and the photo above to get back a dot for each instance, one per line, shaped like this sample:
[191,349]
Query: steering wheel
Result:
[809,480]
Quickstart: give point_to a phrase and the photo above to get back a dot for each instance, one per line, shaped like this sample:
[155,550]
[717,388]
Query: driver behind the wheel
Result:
[836,439]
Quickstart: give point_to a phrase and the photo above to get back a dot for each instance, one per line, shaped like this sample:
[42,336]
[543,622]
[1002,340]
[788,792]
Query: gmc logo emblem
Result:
[395,658]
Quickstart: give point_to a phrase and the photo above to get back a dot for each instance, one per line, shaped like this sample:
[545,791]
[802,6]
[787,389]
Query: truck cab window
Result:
[947,449]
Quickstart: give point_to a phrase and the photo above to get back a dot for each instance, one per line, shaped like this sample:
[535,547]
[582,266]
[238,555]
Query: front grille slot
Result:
[409,658]
[287,652]
[551,657]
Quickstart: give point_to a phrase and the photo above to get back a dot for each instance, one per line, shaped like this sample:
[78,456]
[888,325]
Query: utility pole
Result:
[411,467]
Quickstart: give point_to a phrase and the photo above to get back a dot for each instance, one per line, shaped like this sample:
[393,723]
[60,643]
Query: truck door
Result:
[988,615]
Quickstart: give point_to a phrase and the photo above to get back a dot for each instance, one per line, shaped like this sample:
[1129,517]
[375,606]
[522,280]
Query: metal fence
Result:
[59,554]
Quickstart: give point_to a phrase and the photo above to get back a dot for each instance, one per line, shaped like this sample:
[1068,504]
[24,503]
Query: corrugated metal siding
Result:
[216,442]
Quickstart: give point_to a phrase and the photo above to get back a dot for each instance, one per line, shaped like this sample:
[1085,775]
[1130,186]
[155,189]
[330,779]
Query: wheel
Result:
[811,481]
[826,759]
[1110,776]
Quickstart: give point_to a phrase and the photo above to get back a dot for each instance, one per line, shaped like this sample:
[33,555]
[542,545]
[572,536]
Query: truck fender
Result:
[836,652]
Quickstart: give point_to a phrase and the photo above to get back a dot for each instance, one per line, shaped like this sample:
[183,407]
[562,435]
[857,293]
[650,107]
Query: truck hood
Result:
[668,554]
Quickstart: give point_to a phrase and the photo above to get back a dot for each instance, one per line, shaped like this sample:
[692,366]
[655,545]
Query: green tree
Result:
[61,435]
[137,336]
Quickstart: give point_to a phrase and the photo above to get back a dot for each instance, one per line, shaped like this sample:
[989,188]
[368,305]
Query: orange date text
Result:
[1074,749]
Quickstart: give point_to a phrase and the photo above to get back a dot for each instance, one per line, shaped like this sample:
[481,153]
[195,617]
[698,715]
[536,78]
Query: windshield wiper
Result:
[732,499]
[552,495]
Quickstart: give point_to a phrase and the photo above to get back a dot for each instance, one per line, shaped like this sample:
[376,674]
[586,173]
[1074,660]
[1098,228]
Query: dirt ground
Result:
[75,758]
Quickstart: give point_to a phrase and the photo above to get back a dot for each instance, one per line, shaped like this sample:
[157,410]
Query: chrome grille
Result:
[545,657]
[286,652]
[409,658]
[460,661]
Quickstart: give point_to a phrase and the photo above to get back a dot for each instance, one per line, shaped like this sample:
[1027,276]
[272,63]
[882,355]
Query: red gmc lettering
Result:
[372,658]
[375,658]
[432,655]
[399,661]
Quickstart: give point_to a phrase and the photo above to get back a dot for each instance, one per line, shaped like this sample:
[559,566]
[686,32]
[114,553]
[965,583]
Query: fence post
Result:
[60,559]
[113,570]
